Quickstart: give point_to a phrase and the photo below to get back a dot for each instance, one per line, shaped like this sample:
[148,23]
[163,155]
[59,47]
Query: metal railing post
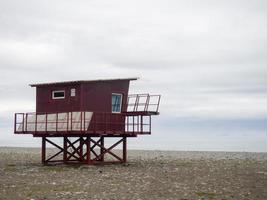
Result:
[67,121]
[23,123]
[127,117]
[71,121]
[84,121]
[124,122]
[137,123]
[134,109]
[35,122]
[26,122]
[56,121]
[133,123]
[94,121]
[15,123]
[81,122]
[147,102]
[105,117]
[46,122]
[141,123]
[149,123]
[158,103]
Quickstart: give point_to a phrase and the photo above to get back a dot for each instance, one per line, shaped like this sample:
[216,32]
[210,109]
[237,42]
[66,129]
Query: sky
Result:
[206,58]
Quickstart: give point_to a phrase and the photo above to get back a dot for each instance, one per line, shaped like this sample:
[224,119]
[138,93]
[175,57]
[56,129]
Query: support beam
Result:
[101,149]
[88,145]
[124,149]
[81,149]
[108,150]
[95,151]
[55,155]
[65,150]
[43,149]
[76,150]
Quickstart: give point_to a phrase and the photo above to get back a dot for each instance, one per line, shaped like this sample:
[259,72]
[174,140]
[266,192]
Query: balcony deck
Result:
[135,121]
[82,124]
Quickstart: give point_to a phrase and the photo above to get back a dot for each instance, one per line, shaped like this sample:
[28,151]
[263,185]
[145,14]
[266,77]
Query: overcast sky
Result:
[207,58]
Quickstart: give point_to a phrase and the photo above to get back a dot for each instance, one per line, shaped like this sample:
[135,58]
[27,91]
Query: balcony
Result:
[134,121]
[82,123]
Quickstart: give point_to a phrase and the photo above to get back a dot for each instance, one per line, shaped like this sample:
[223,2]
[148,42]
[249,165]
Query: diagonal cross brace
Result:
[74,148]
[107,150]
[60,148]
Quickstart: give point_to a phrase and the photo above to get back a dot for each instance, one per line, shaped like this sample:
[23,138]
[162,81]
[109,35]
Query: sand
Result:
[147,175]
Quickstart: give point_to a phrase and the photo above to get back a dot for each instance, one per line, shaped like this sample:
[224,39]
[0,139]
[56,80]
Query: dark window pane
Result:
[116,102]
[58,94]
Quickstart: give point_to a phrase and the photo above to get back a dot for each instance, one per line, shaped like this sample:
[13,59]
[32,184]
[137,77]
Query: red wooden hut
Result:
[84,113]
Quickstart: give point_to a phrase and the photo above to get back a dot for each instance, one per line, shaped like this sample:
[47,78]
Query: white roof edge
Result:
[84,81]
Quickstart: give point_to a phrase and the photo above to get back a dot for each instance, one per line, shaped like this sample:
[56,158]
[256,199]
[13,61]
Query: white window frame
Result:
[53,94]
[120,102]
[73,92]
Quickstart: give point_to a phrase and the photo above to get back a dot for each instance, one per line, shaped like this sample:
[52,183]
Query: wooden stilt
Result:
[102,149]
[43,149]
[124,149]
[88,145]
[73,152]
[81,149]
[65,149]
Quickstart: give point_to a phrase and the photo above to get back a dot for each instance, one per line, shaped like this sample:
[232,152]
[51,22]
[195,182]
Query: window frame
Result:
[73,92]
[118,94]
[55,91]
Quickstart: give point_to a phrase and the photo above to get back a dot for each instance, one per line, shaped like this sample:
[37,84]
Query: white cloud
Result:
[207,58]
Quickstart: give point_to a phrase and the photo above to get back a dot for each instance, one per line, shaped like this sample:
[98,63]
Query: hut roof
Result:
[82,81]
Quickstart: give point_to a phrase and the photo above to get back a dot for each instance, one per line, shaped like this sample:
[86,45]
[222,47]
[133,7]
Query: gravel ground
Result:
[147,175]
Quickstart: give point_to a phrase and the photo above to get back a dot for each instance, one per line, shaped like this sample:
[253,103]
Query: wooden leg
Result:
[81,149]
[65,149]
[101,149]
[43,149]
[88,145]
[124,150]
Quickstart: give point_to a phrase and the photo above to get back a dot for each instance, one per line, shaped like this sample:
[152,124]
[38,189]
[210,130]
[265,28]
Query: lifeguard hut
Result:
[84,113]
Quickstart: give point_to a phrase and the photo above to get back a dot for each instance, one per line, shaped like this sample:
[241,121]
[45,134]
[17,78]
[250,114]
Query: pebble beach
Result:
[153,175]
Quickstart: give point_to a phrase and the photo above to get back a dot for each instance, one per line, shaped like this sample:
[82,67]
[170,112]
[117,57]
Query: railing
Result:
[82,122]
[143,103]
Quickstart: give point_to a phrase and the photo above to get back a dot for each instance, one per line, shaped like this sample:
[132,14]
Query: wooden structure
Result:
[84,113]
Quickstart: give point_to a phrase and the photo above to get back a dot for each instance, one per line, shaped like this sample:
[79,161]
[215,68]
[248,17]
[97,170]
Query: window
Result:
[116,103]
[73,92]
[58,94]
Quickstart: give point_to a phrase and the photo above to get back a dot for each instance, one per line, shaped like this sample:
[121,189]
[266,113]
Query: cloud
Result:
[208,59]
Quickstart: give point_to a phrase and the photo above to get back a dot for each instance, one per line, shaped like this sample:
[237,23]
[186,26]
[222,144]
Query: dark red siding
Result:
[97,96]
[92,96]
[45,103]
